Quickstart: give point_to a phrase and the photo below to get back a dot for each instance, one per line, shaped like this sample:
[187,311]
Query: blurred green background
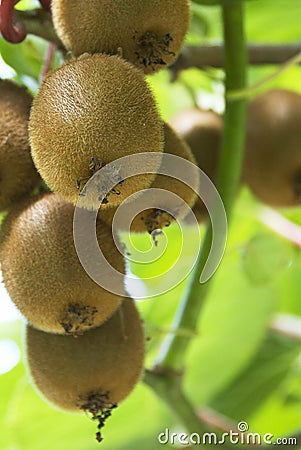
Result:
[239,364]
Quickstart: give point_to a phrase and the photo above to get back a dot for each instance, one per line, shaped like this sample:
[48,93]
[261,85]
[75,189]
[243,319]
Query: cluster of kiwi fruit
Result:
[272,155]
[272,164]
[85,345]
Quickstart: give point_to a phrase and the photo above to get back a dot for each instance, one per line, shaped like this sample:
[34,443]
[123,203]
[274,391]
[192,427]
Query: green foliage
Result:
[217,2]
[273,361]
[25,58]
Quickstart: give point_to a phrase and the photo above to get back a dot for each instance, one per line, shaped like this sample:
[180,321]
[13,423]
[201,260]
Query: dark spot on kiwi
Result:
[99,406]
[156,219]
[95,73]
[103,187]
[152,48]
[77,318]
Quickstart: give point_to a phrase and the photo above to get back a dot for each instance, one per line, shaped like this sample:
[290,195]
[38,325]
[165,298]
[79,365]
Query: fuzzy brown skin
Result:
[42,272]
[202,131]
[94,107]
[108,359]
[18,175]
[14,212]
[153,219]
[148,33]
[272,164]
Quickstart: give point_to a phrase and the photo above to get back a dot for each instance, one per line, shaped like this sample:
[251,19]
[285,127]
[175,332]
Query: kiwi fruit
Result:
[14,212]
[202,131]
[272,162]
[148,33]
[18,175]
[152,219]
[94,372]
[88,113]
[42,272]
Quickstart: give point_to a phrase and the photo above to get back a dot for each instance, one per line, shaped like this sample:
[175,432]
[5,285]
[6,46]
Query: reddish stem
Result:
[13,33]
[45,4]
[47,61]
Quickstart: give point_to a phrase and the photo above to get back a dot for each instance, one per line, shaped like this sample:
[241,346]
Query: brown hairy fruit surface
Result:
[272,163]
[157,218]
[148,33]
[43,274]
[202,131]
[18,175]
[94,372]
[88,113]
[15,211]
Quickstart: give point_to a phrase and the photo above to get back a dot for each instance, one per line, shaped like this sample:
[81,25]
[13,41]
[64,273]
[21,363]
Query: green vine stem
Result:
[168,387]
[251,91]
[172,353]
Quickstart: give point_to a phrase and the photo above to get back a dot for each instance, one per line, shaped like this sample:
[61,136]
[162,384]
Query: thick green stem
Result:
[235,63]
[168,389]
[235,57]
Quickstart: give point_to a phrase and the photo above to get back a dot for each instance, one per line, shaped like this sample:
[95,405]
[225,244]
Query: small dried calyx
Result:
[99,406]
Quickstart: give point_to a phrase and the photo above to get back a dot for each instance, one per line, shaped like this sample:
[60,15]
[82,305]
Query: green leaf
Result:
[25,58]
[289,288]
[265,257]
[267,21]
[170,97]
[218,2]
[199,25]
[259,379]
[231,329]
[27,4]
[281,413]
